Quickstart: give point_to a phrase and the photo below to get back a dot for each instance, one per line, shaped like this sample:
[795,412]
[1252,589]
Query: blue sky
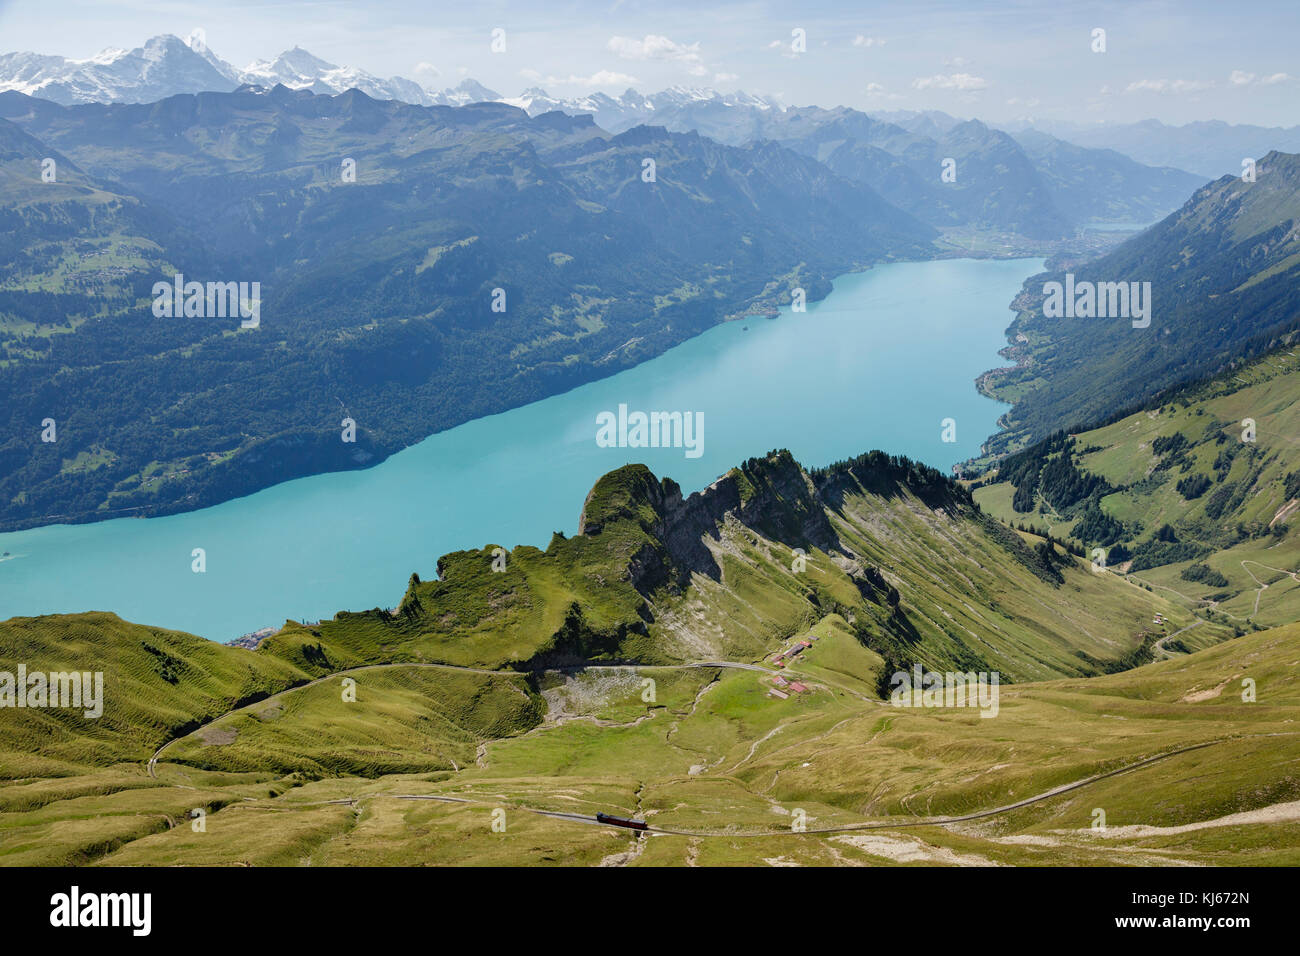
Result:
[1174,61]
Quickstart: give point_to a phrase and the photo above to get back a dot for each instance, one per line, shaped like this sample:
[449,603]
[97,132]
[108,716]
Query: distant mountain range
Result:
[167,65]
[1034,185]
[674,107]
[1210,148]
[1031,184]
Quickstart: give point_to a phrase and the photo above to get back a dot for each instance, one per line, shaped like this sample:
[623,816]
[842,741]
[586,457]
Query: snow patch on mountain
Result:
[167,65]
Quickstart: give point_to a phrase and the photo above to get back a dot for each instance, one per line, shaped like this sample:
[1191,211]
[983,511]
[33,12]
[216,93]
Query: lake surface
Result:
[879,363]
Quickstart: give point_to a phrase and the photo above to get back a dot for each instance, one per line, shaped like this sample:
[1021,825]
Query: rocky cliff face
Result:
[772,495]
[891,549]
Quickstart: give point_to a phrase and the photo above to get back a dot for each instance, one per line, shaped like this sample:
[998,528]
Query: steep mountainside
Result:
[1105,185]
[1197,493]
[995,185]
[1222,275]
[378,297]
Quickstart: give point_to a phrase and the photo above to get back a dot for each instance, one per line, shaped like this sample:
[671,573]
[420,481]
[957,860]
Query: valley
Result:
[477,260]
[412,321]
[383,477]
[347,540]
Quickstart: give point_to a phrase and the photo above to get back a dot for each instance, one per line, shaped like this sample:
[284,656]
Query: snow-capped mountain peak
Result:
[167,65]
[297,62]
[472,91]
[164,66]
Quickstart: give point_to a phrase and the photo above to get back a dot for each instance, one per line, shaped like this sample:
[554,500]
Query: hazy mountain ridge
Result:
[998,186]
[1040,187]
[1222,273]
[1210,148]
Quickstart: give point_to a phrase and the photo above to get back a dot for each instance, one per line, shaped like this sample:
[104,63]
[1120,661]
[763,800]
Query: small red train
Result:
[621,822]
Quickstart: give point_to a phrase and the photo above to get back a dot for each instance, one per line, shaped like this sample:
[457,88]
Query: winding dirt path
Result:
[909,822]
[152,765]
[1160,644]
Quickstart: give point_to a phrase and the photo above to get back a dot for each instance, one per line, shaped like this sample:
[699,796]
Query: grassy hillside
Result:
[412,719]
[729,768]
[632,669]
[1184,496]
[156,684]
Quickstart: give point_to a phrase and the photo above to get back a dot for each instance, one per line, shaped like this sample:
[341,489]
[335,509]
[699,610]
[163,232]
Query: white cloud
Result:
[956,62]
[725,77]
[868,42]
[426,69]
[1168,86]
[876,91]
[660,48]
[654,47]
[950,81]
[774,44]
[1242,78]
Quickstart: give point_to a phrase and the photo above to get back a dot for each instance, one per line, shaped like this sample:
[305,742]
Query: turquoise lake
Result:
[879,363]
